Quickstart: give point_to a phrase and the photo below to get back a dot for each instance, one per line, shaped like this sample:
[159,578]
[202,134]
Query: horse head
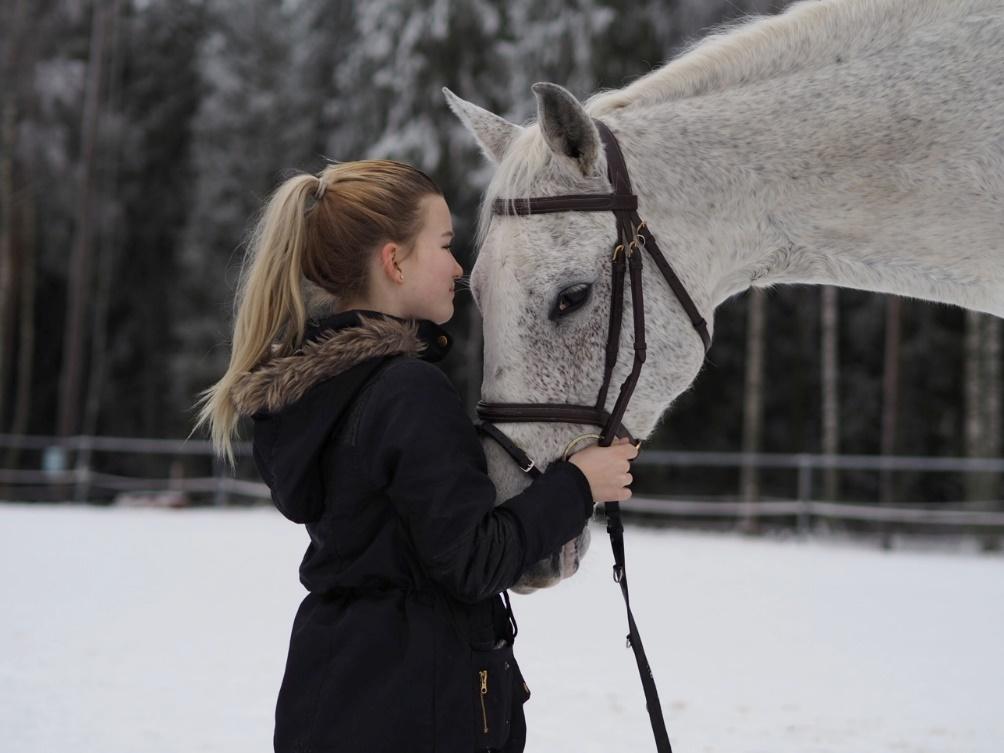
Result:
[544,287]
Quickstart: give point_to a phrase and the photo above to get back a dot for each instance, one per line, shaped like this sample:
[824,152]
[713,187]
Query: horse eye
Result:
[569,299]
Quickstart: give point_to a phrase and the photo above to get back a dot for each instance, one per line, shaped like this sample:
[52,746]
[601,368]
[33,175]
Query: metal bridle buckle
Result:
[638,241]
[617,248]
[528,468]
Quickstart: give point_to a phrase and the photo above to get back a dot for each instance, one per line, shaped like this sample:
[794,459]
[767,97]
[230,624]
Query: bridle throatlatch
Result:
[633,236]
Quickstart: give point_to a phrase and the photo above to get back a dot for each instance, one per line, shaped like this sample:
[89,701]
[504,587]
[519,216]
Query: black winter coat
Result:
[363,440]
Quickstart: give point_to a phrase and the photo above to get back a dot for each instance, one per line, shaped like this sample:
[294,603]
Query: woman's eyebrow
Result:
[448,233]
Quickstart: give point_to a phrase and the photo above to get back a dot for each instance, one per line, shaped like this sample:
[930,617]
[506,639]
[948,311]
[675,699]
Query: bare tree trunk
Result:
[890,403]
[8,141]
[829,315]
[973,391]
[982,392]
[107,250]
[8,267]
[753,405]
[992,438]
[992,383]
[26,324]
[890,389]
[79,278]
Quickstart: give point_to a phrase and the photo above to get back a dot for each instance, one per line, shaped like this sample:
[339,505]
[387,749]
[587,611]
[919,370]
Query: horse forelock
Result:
[526,158]
[529,168]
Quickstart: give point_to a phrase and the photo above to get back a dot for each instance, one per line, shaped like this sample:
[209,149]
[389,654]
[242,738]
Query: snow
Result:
[165,631]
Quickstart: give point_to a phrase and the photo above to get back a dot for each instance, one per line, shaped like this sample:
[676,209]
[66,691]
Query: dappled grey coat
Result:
[362,439]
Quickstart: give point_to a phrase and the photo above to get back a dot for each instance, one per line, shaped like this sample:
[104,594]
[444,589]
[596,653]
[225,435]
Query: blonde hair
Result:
[318,229]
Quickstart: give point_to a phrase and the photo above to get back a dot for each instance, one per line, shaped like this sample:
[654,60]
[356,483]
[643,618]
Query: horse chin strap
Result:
[633,237]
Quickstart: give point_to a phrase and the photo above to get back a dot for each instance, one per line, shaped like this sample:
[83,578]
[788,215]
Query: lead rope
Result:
[630,245]
[615,529]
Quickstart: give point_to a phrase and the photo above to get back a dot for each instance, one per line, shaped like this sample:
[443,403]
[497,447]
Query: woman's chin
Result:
[444,315]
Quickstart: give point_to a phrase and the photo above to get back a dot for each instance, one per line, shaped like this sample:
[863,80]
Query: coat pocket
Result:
[493,685]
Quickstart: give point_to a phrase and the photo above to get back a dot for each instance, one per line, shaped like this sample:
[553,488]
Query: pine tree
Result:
[241,133]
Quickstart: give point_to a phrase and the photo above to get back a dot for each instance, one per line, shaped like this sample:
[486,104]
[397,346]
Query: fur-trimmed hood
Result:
[331,346]
[295,401]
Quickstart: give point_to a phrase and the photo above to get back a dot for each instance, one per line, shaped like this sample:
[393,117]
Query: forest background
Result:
[138,139]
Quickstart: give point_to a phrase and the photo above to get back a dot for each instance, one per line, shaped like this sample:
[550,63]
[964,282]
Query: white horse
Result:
[857,143]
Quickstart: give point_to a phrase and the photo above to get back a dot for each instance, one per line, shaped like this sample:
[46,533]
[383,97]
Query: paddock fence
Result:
[70,467]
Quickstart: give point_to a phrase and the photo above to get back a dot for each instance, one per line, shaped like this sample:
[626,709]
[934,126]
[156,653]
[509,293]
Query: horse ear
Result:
[493,133]
[567,129]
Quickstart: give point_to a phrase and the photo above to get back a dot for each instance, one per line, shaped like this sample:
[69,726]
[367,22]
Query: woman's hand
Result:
[608,469]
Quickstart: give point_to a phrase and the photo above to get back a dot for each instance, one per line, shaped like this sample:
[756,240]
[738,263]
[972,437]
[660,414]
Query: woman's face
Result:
[430,269]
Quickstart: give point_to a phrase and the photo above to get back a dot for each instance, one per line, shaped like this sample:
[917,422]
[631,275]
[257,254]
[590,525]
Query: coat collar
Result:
[331,345]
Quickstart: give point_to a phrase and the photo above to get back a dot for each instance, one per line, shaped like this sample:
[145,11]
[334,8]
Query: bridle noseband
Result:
[633,236]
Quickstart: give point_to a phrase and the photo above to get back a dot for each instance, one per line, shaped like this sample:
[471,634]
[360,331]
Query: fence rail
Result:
[83,478]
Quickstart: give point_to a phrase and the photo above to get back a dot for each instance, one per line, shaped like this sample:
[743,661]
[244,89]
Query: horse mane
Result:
[759,48]
[749,49]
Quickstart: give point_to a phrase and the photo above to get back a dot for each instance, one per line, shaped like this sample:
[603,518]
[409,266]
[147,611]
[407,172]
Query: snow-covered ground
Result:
[159,631]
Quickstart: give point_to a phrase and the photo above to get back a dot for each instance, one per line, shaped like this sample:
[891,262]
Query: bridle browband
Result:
[633,236]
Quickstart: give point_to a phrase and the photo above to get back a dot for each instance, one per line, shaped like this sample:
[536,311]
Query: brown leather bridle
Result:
[633,236]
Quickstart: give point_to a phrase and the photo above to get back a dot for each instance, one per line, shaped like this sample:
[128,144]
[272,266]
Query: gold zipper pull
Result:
[484,691]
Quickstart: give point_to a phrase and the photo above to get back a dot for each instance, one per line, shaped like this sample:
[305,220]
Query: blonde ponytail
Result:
[311,245]
[270,316]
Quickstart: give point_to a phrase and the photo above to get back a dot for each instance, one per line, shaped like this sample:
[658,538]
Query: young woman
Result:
[404,641]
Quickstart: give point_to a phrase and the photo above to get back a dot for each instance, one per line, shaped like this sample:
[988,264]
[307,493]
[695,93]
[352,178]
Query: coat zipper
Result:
[484,692]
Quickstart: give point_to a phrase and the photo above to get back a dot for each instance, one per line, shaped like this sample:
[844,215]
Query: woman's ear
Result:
[389,264]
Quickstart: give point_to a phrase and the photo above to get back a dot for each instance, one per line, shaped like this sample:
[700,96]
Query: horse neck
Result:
[882,174]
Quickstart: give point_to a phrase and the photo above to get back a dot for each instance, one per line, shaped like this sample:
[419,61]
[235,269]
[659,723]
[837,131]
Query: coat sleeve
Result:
[425,453]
